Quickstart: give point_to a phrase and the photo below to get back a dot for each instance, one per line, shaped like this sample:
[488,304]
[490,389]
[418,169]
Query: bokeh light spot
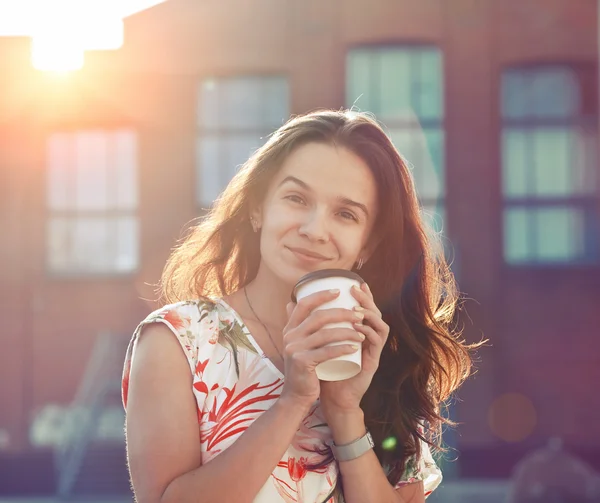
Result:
[389,444]
[512,417]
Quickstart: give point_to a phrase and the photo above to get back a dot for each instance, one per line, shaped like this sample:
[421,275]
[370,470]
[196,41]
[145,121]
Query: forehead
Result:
[331,170]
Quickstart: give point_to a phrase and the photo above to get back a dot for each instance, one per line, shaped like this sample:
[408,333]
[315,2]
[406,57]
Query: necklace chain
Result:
[263,324]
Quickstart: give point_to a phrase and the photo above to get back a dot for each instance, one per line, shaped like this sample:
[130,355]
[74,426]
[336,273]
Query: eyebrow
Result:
[343,200]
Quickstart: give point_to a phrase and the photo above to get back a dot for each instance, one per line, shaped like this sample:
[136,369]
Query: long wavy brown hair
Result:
[425,359]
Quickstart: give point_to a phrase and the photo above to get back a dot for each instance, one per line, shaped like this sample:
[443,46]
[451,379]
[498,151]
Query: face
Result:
[318,212]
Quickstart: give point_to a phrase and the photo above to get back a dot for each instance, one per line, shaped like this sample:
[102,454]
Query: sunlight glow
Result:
[62,30]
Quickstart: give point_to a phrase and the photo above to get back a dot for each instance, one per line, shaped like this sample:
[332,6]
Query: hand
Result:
[305,344]
[343,396]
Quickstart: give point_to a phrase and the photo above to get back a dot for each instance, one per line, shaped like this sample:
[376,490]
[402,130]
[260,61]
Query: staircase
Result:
[90,459]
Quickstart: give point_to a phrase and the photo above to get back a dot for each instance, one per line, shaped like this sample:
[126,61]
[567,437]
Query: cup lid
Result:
[325,273]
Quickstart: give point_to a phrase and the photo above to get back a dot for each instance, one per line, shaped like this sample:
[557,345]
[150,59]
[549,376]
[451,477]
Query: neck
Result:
[269,297]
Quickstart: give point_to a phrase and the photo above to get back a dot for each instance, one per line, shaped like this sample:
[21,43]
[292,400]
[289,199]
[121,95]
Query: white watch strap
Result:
[354,449]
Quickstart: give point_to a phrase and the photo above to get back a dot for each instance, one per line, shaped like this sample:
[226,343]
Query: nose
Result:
[314,227]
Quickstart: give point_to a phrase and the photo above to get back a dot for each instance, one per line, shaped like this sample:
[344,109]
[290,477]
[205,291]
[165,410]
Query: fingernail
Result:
[365,287]
[334,291]
[359,316]
[355,288]
[362,336]
[358,308]
[355,346]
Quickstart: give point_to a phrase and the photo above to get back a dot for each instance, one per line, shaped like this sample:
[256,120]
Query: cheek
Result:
[281,218]
[351,241]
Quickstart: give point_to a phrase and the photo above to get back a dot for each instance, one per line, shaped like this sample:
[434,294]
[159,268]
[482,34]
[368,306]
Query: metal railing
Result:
[101,377]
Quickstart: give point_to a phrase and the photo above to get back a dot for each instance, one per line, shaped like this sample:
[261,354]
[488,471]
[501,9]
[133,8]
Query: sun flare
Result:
[62,31]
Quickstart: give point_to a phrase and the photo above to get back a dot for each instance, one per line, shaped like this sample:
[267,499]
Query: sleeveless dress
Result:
[232,391]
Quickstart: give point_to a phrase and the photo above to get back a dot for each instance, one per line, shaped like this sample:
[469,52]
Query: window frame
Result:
[111,214]
[226,132]
[414,124]
[587,202]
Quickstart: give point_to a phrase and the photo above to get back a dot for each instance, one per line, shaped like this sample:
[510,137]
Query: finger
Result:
[375,321]
[365,299]
[325,336]
[312,358]
[305,306]
[289,308]
[321,317]
[371,335]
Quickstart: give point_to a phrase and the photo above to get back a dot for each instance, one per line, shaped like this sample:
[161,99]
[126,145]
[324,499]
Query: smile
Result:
[307,255]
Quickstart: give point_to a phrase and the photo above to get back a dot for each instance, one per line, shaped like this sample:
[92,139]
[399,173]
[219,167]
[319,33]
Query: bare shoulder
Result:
[157,342]
[162,419]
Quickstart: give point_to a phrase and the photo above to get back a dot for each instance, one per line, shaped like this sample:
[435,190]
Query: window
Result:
[235,116]
[549,166]
[403,87]
[92,200]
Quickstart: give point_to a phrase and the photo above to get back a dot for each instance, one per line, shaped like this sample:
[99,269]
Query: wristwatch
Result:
[353,450]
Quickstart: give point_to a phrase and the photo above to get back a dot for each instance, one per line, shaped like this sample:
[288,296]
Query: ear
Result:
[256,215]
[367,251]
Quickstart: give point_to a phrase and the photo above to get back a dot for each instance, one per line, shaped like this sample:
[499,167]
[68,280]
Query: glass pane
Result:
[275,102]
[515,102]
[91,244]
[58,240]
[560,234]
[359,79]
[59,189]
[541,93]
[395,82]
[240,104]
[126,239]
[237,150]
[124,170]
[421,148]
[405,142]
[91,157]
[428,88]
[208,105]
[398,84]
[554,93]
[515,163]
[209,186]
[434,180]
[584,159]
[552,166]
[517,229]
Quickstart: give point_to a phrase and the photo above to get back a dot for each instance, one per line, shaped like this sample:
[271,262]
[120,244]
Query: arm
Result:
[162,433]
[364,480]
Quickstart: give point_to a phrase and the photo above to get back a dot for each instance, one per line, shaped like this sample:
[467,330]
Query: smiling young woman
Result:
[223,402]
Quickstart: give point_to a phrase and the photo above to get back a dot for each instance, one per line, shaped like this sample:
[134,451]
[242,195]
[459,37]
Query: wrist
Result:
[346,425]
[292,405]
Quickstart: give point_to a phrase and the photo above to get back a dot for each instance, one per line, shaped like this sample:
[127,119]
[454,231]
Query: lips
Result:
[305,254]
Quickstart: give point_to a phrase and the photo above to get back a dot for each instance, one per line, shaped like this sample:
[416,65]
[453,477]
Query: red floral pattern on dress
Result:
[230,396]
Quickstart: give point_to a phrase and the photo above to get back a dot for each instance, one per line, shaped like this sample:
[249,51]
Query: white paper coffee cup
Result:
[345,366]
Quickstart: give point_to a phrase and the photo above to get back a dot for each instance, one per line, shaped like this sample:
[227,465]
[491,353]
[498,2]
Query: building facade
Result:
[493,103]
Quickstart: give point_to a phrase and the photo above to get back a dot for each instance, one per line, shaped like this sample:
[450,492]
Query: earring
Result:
[254,225]
[360,263]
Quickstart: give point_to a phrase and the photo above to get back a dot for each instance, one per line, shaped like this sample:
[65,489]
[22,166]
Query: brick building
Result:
[494,103]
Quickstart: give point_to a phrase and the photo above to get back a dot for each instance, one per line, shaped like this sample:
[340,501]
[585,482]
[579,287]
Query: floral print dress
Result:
[233,390]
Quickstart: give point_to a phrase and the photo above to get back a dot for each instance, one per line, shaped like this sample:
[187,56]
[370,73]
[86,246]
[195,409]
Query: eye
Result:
[295,198]
[348,216]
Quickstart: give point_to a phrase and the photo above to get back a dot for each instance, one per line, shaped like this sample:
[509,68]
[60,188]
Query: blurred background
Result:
[121,121]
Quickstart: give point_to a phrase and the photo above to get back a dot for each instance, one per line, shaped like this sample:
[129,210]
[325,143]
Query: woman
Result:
[232,361]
